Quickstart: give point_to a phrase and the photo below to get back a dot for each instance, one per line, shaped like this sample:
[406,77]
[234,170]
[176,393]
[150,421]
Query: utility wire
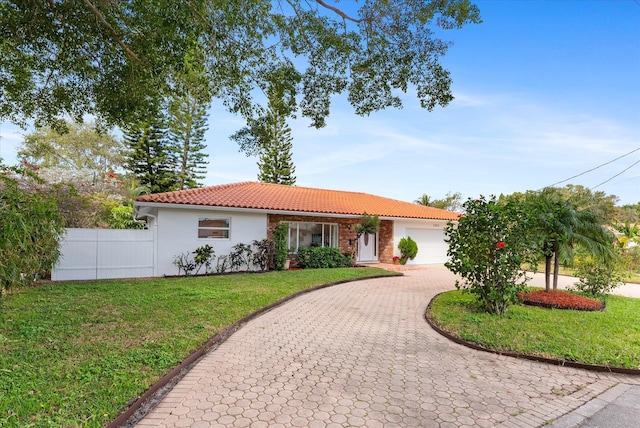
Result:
[599,166]
[621,172]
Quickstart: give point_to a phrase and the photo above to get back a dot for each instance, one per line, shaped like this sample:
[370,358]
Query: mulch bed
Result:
[560,300]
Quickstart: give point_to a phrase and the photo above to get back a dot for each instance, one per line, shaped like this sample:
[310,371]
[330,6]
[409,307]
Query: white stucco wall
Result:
[428,234]
[177,232]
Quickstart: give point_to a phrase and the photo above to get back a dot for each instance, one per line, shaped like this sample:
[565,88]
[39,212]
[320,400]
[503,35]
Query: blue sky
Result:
[545,90]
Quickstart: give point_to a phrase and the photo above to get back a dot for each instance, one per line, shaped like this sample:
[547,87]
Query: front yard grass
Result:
[608,338]
[73,354]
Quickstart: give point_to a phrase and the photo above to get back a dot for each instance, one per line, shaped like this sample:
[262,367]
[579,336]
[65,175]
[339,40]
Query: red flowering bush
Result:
[487,248]
[560,300]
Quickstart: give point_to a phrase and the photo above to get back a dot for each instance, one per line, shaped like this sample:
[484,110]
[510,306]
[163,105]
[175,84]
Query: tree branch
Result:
[338,11]
[110,29]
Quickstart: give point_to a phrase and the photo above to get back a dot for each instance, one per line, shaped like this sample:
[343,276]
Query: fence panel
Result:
[105,253]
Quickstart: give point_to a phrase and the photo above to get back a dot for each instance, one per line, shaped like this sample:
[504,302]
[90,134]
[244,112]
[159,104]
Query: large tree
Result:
[275,164]
[187,126]
[117,59]
[152,158]
[269,138]
[82,148]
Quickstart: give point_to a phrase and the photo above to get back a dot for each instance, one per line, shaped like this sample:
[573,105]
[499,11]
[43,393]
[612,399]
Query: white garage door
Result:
[431,246]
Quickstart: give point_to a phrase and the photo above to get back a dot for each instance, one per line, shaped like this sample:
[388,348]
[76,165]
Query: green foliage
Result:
[30,229]
[263,254]
[309,51]
[368,225]
[187,119]
[595,278]
[631,259]
[487,248]
[152,158]
[559,227]
[451,201]
[280,244]
[408,249]
[269,137]
[202,256]
[81,148]
[240,256]
[322,257]
[121,217]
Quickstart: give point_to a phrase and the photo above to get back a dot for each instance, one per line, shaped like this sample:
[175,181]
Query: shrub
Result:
[191,266]
[30,228]
[280,245]
[596,279]
[240,256]
[322,257]
[487,248]
[264,254]
[408,249]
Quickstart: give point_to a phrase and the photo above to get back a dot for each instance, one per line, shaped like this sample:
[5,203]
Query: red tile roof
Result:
[277,197]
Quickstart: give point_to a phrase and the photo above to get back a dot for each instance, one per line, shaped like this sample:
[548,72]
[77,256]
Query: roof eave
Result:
[273,211]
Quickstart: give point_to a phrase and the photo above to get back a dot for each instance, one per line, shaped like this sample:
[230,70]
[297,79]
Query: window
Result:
[213,228]
[312,235]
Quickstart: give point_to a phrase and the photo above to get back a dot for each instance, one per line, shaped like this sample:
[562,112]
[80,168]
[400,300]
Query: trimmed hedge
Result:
[322,257]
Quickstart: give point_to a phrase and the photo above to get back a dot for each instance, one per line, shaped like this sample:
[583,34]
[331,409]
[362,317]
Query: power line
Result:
[620,173]
[593,169]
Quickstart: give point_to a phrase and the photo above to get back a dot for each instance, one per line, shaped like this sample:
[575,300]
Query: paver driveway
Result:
[361,354]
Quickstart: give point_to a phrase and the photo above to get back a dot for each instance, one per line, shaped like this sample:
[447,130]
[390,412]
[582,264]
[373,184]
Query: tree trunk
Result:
[556,267]
[547,273]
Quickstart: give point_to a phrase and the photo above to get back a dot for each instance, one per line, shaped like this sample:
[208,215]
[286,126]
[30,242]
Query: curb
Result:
[552,361]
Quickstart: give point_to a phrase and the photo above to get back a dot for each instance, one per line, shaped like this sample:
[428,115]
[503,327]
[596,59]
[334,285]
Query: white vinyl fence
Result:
[106,253]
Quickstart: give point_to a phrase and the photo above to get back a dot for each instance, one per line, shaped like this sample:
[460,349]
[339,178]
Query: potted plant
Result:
[408,249]
[396,260]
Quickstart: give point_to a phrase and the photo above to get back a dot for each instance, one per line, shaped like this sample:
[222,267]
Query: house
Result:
[225,215]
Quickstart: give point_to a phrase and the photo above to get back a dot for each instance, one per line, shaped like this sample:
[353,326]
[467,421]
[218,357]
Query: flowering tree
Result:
[487,248]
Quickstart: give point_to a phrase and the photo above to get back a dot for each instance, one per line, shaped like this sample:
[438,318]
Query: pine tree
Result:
[187,125]
[275,164]
[152,159]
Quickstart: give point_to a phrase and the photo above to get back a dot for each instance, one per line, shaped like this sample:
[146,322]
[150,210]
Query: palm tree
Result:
[561,227]
[424,200]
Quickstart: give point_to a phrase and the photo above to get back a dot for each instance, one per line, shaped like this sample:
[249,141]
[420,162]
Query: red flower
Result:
[500,244]
[112,175]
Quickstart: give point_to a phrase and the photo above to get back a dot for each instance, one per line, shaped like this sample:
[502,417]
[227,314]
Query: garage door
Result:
[431,246]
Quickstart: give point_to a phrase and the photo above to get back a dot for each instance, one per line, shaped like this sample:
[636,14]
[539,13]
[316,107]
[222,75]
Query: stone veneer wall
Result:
[346,232]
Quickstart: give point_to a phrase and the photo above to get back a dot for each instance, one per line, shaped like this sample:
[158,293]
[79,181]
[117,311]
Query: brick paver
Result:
[361,354]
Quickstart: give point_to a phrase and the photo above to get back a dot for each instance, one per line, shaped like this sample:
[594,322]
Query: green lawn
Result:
[608,338]
[73,354]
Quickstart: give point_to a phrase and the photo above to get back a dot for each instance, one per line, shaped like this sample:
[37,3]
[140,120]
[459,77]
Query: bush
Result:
[263,256]
[487,248]
[280,243]
[240,256]
[597,279]
[408,249]
[30,229]
[191,266]
[322,257]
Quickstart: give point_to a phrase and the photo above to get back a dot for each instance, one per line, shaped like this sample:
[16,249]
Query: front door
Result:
[368,248]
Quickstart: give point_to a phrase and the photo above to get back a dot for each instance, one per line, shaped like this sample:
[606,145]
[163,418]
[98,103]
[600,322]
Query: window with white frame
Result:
[214,227]
[312,235]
